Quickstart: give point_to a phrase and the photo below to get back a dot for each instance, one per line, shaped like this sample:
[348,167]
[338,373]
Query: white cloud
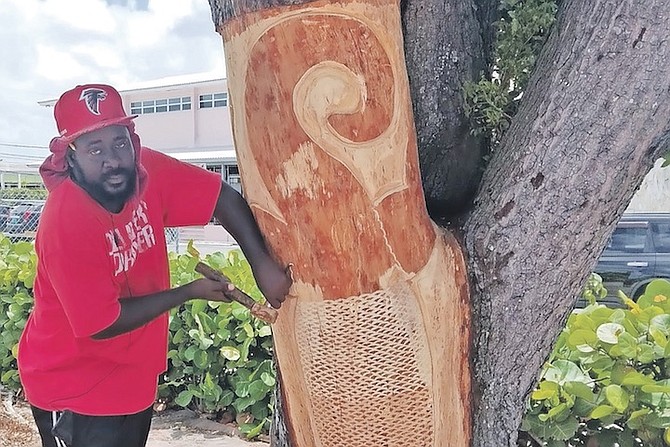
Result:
[90,15]
[56,64]
[147,28]
[49,46]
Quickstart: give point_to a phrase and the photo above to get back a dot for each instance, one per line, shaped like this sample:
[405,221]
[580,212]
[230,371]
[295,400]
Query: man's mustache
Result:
[118,171]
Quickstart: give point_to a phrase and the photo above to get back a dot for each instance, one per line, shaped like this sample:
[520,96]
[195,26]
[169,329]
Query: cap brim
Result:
[123,121]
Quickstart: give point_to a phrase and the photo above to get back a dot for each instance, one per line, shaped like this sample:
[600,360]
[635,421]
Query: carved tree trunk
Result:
[373,345]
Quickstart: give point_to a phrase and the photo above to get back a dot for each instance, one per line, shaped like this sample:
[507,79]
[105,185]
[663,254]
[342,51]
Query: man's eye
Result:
[94,152]
[122,144]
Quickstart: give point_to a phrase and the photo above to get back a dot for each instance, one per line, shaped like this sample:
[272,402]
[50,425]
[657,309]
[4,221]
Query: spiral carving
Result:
[331,88]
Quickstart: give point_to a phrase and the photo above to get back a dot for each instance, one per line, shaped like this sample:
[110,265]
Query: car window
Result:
[628,238]
[661,236]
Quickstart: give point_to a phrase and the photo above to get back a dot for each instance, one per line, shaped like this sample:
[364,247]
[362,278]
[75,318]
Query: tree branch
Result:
[443,50]
[595,116]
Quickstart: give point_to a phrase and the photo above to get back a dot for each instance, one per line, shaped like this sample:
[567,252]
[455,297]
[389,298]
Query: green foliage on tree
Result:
[607,378]
[521,31]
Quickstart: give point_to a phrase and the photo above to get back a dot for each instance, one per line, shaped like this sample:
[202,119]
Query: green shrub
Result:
[220,357]
[17,274]
[607,377]
[23,194]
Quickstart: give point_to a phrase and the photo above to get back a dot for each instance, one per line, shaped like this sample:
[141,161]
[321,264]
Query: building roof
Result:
[159,84]
[204,155]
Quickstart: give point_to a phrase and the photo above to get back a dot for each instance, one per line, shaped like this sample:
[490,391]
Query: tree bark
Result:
[444,48]
[593,120]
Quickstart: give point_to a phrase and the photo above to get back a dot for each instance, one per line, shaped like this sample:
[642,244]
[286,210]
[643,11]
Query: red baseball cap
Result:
[89,107]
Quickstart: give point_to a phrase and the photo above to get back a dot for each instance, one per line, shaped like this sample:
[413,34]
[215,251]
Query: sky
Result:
[50,46]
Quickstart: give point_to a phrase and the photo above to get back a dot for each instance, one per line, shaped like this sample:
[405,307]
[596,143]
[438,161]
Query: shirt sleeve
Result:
[188,193]
[82,277]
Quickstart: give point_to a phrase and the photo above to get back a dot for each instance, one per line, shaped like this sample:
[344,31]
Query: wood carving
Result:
[373,343]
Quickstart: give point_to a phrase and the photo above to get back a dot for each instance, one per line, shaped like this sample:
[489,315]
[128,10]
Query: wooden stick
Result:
[265,313]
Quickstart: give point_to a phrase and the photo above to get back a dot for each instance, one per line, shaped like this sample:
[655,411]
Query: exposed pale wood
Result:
[378,318]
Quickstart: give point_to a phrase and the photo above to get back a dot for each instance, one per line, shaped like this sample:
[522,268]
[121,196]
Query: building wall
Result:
[189,120]
[197,129]
[653,195]
[203,136]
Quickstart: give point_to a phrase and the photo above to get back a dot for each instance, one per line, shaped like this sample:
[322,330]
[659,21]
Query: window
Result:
[213,100]
[233,177]
[160,105]
[661,236]
[628,239]
[214,168]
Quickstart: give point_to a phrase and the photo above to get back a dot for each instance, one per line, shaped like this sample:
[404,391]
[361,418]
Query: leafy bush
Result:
[220,357]
[607,379]
[23,194]
[17,274]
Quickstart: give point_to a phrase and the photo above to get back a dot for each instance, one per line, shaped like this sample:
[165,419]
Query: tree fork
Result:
[594,118]
[375,336]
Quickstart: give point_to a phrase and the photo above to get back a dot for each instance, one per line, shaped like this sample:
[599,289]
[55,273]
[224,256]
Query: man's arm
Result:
[235,215]
[137,311]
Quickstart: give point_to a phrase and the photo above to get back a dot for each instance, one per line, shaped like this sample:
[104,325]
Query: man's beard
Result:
[98,191]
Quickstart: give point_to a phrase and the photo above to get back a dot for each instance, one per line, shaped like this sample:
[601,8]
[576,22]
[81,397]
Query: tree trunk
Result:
[373,343]
[593,120]
[443,50]
[594,117]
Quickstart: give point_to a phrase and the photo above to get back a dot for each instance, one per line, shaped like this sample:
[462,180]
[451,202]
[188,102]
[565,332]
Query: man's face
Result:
[103,163]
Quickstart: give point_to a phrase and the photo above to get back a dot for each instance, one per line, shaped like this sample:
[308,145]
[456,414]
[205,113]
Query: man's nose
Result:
[112,160]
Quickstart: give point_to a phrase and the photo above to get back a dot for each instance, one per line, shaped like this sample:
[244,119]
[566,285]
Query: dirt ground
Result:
[169,429]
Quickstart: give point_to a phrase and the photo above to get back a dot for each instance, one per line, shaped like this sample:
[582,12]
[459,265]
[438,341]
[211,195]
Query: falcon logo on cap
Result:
[92,98]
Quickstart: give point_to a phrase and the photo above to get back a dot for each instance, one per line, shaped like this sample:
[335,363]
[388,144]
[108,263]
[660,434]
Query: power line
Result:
[29,146]
[21,157]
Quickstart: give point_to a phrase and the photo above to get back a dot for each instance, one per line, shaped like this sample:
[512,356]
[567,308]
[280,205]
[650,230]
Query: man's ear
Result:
[69,157]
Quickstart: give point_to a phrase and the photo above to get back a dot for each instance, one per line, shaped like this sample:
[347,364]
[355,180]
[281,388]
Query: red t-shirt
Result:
[88,258]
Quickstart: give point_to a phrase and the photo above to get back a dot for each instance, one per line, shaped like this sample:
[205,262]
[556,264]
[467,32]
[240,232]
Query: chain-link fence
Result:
[20,209]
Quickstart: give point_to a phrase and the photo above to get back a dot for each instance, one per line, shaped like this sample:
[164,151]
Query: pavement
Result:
[184,429]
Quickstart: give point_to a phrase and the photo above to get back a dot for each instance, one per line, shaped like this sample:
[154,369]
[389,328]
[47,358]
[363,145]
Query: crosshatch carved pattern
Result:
[367,369]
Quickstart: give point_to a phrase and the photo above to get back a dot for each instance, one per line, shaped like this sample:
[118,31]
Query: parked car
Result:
[4,216]
[637,252]
[24,218]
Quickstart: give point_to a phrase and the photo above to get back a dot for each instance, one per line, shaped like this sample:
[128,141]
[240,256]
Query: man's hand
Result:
[210,290]
[273,280]
[233,211]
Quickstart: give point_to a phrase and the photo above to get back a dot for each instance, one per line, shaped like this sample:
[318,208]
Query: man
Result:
[96,341]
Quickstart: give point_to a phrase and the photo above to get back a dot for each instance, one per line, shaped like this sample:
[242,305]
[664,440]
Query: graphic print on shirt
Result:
[138,238]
